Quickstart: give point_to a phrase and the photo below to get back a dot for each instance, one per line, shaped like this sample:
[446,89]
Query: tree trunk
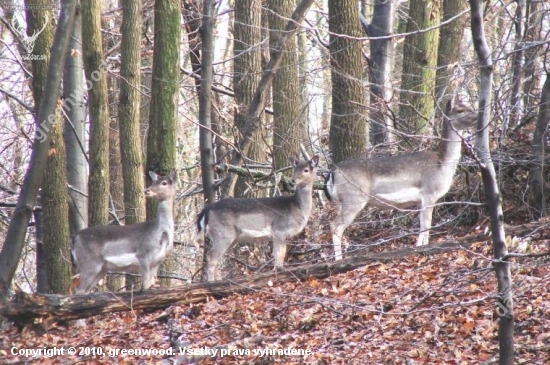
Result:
[536,174]
[381,64]
[303,76]
[448,53]
[55,217]
[419,65]
[348,129]
[532,68]
[518,62]
[96,83]
[247,68]
[129,130]
[161,137]
[205,101]
[129,112]
[114,282]
[41,274]
[15,236]
[55,214]
[492,194]
[75,131]
[289,130]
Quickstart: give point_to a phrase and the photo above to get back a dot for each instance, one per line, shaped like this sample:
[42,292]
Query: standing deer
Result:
[249,220]
[398,182]
[134,248]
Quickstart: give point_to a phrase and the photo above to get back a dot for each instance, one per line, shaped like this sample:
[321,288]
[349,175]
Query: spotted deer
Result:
[134,248]
[249,220]
[398,182]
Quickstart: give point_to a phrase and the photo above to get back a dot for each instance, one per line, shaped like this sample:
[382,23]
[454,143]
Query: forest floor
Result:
[425,309]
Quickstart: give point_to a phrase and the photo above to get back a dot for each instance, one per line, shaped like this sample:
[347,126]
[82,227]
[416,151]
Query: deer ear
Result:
[153,176]
[314,161]
[450,105]
[173,175]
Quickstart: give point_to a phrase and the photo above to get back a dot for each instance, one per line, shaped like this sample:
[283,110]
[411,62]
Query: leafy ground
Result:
[422,310]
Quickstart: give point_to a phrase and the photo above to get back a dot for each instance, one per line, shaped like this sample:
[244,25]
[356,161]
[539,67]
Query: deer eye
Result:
[306,170]
[164,183]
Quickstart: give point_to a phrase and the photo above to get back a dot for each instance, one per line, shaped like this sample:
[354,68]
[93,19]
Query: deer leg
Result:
[89,277]
[345,216]
[425,224]
[147,276]
[216,246]
[279,251]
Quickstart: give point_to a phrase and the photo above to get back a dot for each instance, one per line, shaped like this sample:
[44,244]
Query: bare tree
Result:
[348,128]
[518,62]
[75,131]
[98,185]
[289,130]
[247,68]
[419,64]
[448,53]
[537,197]
[161,136]
[491,189]
[55,213]
[129,112]
[380,67]
[205,103]
[13,245]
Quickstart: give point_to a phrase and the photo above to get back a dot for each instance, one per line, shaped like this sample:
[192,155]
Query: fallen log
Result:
[43,310]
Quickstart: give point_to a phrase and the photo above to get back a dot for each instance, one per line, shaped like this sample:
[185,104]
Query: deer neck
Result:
[450,146]
[303,198]
[165,214]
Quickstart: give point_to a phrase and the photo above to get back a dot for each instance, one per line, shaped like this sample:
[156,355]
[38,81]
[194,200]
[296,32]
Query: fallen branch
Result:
[45,309]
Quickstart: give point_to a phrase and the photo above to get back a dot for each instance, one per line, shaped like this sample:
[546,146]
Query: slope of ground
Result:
[436,309]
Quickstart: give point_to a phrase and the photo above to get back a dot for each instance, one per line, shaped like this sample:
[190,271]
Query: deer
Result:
[139,247]
[398,182]
[250,220]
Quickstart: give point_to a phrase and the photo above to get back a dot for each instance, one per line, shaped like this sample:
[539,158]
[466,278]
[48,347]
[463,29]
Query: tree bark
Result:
[536,174]
[247,70]
[348,125]
[205,101]
[55,240]
[419,65]
[516,98]
[15,237]
[161,136]
[289,130]
[448,53]
[532,66]
[96,83]
[492,194]
[75,131]
[381,65]
[55,214]
[129,112]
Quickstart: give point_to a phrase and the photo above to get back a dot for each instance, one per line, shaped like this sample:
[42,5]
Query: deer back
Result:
[252,219]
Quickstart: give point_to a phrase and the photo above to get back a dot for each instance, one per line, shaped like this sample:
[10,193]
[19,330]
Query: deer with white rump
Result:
[398,182]
[134,248]
[249,220]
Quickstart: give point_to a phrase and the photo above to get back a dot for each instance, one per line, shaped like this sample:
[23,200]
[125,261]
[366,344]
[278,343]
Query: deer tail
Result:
[329,188]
